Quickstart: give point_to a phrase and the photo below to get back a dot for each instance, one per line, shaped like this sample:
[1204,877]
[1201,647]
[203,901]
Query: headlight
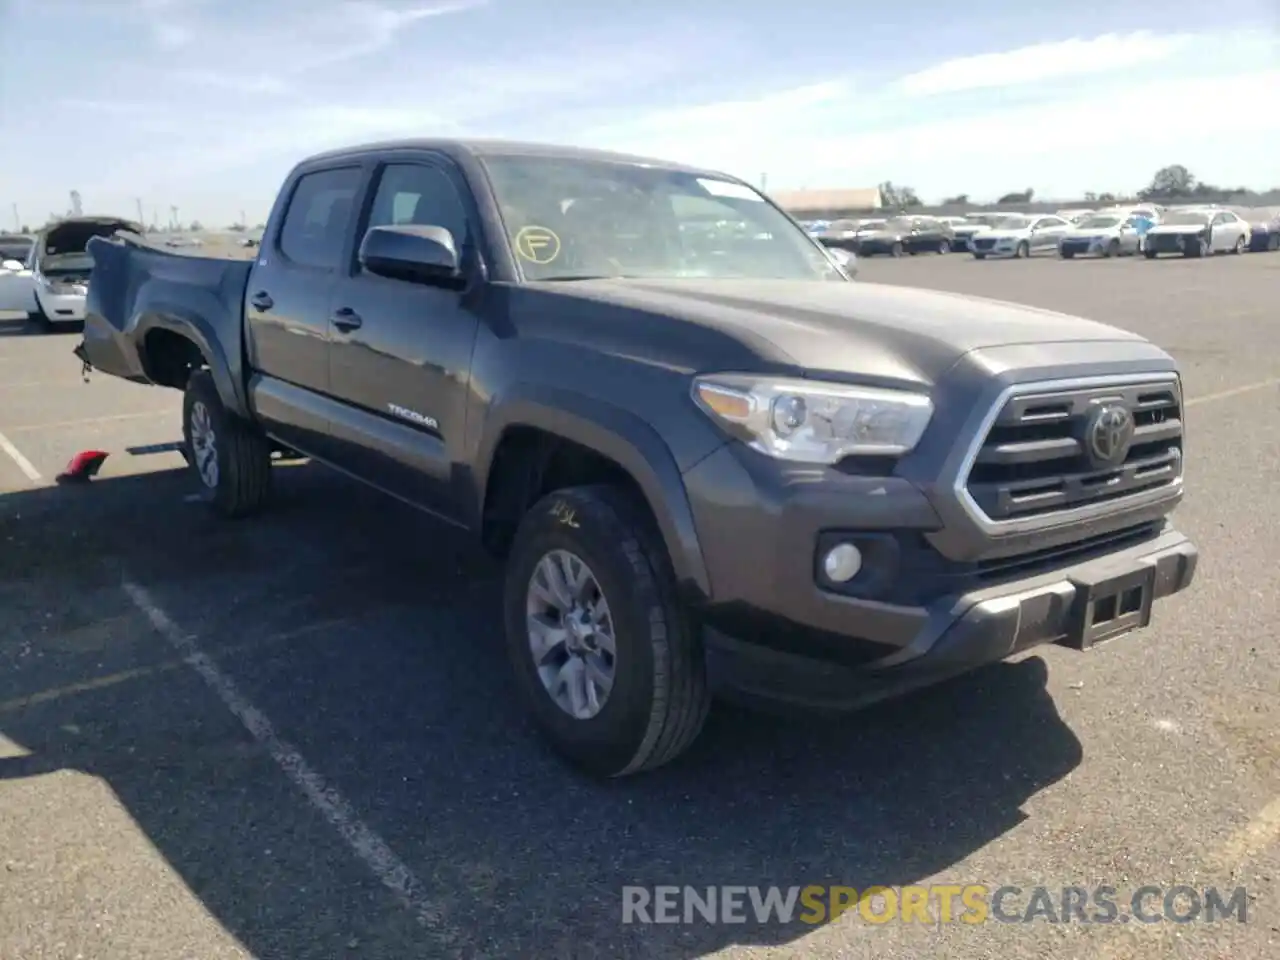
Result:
[812,422]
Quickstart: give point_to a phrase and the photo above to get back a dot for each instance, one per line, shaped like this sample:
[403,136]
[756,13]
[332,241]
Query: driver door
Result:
[17,288]
[1046,232]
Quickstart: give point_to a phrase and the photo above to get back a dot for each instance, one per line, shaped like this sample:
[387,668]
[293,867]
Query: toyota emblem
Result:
[1110,434]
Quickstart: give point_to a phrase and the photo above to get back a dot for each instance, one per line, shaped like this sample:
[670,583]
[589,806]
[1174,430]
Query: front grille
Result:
[1170,242]
[1035,461]
[983,243]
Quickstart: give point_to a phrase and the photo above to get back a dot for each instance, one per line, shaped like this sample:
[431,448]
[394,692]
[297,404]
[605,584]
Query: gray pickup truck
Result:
[711,461]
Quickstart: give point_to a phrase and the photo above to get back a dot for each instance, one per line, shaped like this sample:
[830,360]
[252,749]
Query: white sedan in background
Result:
[1103,234]
[1197,233]
[1020,236]
[17,291]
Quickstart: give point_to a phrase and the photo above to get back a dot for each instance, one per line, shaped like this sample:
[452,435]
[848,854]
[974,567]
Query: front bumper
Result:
[777,633]
[1172,242]
[61,307]
[1004,247]
[956,634]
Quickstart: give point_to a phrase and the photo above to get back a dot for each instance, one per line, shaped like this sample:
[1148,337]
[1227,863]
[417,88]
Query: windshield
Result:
[1014,223]
[1183,218]
[572,218]
[1098,223]
[15,250]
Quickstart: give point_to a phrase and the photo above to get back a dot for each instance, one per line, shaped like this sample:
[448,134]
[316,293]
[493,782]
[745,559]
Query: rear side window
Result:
[319,215]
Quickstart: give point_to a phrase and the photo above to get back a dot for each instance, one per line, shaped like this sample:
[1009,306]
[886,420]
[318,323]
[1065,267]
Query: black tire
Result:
[242,453]
[1240,246]
[896,250]
[1066,254]
[39,319]
[1149,254]
[944,247]
[660,698]
[1023,251]
[1113,249]
[979,256]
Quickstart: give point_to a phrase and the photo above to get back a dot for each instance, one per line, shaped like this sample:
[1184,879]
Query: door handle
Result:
[262,300]
[346,319]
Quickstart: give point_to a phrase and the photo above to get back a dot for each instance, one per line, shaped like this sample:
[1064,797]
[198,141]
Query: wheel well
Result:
[170,358]
[528,464]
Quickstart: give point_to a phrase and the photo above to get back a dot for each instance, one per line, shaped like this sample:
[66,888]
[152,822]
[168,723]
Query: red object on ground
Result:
[82,467]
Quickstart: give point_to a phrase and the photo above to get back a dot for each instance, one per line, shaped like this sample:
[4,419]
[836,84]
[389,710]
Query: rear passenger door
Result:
[403,372]
[287,301]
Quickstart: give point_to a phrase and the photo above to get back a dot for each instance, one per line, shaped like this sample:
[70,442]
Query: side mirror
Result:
[418,254]
[13,266]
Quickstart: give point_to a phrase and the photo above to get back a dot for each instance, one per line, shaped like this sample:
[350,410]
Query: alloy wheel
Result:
[571,634]
[204,445]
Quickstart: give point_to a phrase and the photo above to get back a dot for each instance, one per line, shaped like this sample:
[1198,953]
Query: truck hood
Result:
[822,328]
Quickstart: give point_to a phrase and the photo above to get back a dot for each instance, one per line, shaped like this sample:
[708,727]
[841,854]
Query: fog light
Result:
[842,562]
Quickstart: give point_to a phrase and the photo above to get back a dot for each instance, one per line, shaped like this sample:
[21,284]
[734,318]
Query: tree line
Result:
[1174,183]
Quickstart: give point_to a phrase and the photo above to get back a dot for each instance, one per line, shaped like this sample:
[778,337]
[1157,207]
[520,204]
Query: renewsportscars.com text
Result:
[940,903]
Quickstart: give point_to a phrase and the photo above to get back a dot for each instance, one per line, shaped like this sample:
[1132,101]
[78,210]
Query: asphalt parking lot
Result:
[295,736]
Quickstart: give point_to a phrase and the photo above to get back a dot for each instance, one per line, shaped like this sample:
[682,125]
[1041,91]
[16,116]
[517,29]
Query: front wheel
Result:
[1149,254]
[229,457]
[944,247]
[1113,249]
[897,250]
[608,663]
[1024,250]
[1239,248]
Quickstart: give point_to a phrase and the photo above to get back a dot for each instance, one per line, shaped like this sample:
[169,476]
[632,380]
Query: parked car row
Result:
[1146,229]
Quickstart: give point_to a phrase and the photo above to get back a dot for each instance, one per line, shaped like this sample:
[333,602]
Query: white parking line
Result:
[25,465]
[394,874]
[1234,392]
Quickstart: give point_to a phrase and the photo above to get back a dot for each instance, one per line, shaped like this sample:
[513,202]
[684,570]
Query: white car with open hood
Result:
[50,286]
[1198,233]
[1020,235]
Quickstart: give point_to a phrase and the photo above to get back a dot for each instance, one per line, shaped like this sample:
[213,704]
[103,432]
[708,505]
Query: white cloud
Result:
[1106,137]
[1110,53]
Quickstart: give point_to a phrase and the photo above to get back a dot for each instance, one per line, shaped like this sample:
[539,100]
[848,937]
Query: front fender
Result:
[621,436]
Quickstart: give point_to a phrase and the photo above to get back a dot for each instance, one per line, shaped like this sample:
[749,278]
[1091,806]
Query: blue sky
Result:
[204,104]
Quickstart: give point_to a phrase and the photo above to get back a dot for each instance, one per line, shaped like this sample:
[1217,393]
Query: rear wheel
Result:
[229,457]
[1239,248]
[944,247]
[979,256]
[1149,254]
[1113,249]
[1024,250]
[896,250]
[608,663]
[1066,254]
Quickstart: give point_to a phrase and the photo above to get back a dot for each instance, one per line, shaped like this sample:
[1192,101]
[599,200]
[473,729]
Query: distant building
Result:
[827,203]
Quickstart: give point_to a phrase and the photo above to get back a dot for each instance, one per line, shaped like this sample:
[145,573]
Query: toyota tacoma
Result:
[711,462]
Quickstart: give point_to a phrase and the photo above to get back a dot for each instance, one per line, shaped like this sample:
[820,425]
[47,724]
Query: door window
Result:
[413,193]
[318,217]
